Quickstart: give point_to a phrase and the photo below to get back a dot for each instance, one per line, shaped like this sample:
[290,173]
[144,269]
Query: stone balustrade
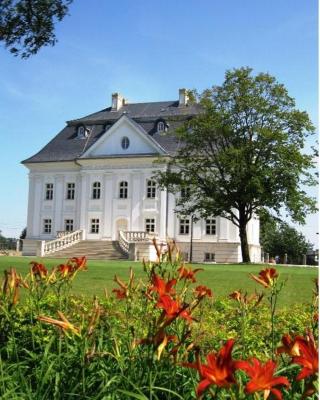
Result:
[61,242]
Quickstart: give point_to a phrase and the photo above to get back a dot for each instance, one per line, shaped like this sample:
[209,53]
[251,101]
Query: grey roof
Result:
[66,146]
[141,110]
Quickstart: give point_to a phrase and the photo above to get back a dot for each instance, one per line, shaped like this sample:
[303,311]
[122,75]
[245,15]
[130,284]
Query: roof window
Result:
[125,142]
[161,127]
[82,132]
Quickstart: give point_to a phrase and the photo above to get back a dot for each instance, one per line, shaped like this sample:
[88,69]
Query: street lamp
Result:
[191,237]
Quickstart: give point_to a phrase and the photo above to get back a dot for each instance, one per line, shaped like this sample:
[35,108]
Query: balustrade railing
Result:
[127,237]
[62,242]
[123,242]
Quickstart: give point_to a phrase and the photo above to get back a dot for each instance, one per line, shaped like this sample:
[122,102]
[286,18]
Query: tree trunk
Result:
[243,238]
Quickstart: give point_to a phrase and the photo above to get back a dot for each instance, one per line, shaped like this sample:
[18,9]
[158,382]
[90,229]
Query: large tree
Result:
[28,25]
[244,151]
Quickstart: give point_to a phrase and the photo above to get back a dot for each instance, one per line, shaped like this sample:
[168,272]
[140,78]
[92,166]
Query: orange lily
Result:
[65,270]
[262,377]
[38,270]
[12,282]
[244,299]
[159,341]
[124,290]
[290,346]
[267,277]
[172,309]
[188,273]
[219,369]
[161,287]
[79,263]
[308,356]
[65,325]
[203,291]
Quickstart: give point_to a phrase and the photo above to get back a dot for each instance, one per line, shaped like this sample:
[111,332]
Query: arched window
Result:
[151,189]
[96,190]
[161,126]
[123,190]
[125,142]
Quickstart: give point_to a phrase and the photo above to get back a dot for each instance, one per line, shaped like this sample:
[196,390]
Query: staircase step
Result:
[92,249]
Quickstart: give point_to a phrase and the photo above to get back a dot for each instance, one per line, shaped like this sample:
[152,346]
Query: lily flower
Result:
[172,309]
[161,287]
[219,369]
[308,356]
[244,299]
[159,341]
[124,290]
[79,263]
[188,273]
[262,377]
[64,325]
[12,282]
[267,277]
[202,291]
[65,270]
[290,346]
[38,270]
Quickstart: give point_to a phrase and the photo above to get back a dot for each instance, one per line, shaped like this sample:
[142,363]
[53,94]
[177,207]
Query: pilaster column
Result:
[108,205]
[136,202]
[58,194]
[84,194]
[34,206]
[223,229]
[162,214]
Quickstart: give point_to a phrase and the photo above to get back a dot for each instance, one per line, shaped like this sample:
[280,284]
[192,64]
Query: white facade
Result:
[62,197]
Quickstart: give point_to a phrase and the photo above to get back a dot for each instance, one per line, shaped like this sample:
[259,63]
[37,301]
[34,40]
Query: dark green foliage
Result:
[23,234]
[244,152]
[279,238]
[26,26]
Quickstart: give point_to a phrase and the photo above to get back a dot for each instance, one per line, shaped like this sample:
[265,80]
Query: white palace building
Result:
[91,190]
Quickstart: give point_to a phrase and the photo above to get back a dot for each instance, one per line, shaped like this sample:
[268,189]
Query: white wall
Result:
[110,208]
[111,143]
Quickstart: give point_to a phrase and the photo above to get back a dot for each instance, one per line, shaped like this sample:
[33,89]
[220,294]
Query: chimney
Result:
[183,97]
[117,101]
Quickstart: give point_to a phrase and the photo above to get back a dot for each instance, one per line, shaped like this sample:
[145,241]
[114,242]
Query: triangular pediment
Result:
[111,143]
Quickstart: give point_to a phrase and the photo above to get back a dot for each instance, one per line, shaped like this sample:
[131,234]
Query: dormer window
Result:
[161,126]
[82,132]
[125,142]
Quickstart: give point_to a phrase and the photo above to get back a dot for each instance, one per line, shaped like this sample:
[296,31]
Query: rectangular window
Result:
[123,190]
[68,225]
[210,226]
[184,226]
[151,189]
[70,191]
[96,190]
[49,191]
[150,225]
[47,225]
[210,257]
[185,192]
[95,225]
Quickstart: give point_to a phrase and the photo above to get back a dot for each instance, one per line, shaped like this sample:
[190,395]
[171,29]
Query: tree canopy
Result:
[28,25]
[242,153]
[279,238]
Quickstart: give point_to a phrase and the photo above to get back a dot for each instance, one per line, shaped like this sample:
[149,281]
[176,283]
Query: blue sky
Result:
[146,50]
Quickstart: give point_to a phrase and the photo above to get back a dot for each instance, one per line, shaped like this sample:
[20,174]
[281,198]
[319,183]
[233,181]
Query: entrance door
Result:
[121,225]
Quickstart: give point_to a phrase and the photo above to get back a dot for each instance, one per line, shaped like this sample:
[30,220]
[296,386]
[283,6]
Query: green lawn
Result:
[222,279]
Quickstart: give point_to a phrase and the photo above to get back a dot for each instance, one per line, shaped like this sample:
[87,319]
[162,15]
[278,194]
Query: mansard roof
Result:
[66,146]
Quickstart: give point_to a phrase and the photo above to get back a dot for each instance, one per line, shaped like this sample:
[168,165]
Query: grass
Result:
[222,279]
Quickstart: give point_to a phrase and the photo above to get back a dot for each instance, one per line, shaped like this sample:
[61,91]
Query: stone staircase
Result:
[93,250]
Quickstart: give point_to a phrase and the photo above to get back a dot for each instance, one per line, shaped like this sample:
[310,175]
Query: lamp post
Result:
[191,237]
